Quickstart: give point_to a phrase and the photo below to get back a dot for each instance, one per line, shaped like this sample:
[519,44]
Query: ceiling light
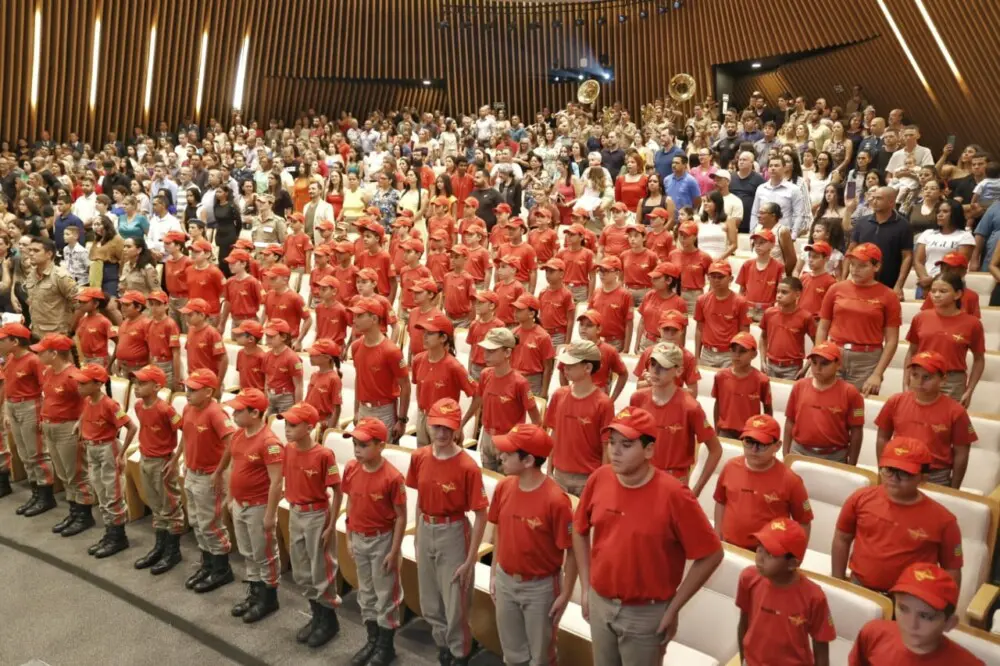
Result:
[427,82]
[756,65]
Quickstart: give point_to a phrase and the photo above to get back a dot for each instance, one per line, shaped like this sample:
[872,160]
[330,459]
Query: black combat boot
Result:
[154,555]
[202,572]
[241,608]
[31,500]
[46,502]
[220,574]
[362,656]
[68,520]
[444,656]
[100,544]
[265,604]
[117,542]
[385,650]
[5,488]
[326,628]
[303,635]
[84,521]
[171,555]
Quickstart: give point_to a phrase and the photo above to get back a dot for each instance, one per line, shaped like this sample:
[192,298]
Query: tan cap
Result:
[498,338]
[577,352]
[668,355]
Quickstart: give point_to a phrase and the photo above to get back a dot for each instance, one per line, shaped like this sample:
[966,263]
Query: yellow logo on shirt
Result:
[918,534]
[674,428]
[584,420]
[835,410]
[202,428]
[939,427]
[797,620]
[923,575]
[778,525]
[253,457]
[376,497]
[310,472]
[958,337]
[505,399]
[533,523]
[447,487]
[772,497]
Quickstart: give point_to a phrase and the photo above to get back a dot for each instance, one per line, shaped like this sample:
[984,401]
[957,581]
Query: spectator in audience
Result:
[933,244]
[786,195]
[890,146]
[911,148]
[743,184]
[890,232]
[987,235]
[681,187]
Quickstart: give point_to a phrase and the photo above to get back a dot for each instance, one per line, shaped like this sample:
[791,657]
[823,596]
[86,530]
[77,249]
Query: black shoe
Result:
[31,500]
[5,488]
[461,661]
[220,574]
[326,628]
[362,656]
[84,521]
[46,502]
[265,604]
[202,572]
[171,555]
[100,544]
[385,649]
[307,630]
[116,543]
[241,608]
[67,521]
[154,555]
[444,656]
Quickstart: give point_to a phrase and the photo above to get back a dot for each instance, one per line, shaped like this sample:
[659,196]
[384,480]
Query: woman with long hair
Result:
[282,199]
[106,256]
[138,272]
[137,190]
[630,187]
[717,234]
[933,244]
[959,176]
[413,197]
[335,192]
[923,212]
[193,197]
[832,207]
[840,147]
[30,214]
[860,205]
[300,188]
[386,199]
[132,223]
[801,143]
[566,189]
[655,198]
[443,188]
[246,202]
[820,179]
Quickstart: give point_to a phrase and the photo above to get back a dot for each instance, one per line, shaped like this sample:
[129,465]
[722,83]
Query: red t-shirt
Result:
[243,296]
[694,267]
[438,263]
[823,418]
[545,242]
[615,307]
[614,240]
[331,322]
[416,336]
[557,308]
[941,425]
[23,377]
[611,361]
[477,333]
[133,347]
[448,487]
[783,620]
[158,426]
[164,338]
[760,286]
[204,431]
[459,294]
[100,421]
[786,333]
[477,263]
[446,378]
[407,277]
[680,423]
[93,331]
[753,499]
[61,399]
[372,497]
[390,319]
[204,346]
[324,392]
[721,319]
[533,349]
[879,642]
[689,374]
[506,400]
[814,288]
[281,370]
[508,293]
[296,247]
[250,366]
[652,306]
[249,481]
[526,256]
[381,263]
[641,538]
[175,276]
[287,306]
[577,425]
[630,192]
[444,222]
[952,337]
[739,398]
[378,371]
[206,283]
[536,527]
[309,473]
[316,276]
[888,537]
[860,315]
[346,275]
[636,267]
[661,243]
[579,265]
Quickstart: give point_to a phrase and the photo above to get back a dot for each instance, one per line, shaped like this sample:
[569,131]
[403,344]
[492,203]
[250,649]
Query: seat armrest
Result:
[484,550]
[978,612]
[735,661]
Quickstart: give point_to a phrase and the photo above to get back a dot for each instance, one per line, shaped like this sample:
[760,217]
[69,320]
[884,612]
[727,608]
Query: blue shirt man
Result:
[681,186]
[66,218]
[664,157]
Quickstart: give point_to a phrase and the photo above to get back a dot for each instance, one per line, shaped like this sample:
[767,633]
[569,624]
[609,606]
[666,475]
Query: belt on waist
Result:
[166,359]
[310,506]
[523,578]
[54,422]
[93,442]
[370,534]
[37,397]
[278,393]
[784,364]
[821,449]
[248,505]
[377,403]
[853,346]
[442,520]
[761,306]
[714,348]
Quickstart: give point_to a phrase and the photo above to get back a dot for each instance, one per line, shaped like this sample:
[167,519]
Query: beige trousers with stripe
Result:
[313,565]
[205,513]
[259,547]
[106,478]
[69,458]
[27,432]
[4,450]
[625,635]
[163,494]
[380,594]
[527,633]
[441,550]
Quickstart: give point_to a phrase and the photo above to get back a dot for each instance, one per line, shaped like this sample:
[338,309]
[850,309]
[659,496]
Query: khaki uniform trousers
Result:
[163,494]
[313,566]
[175,313]
[26,428]
[954,384]
[423,430]
[638,294]
[205,513]
[461,322]
[715,359]
[558,338]
[625,635]
[645,343]
[618,344]
[443,548]
[942,477]
[69,459]
[535,382]
[690,297]
[570,482]
[527,633]
[386,414]
[488,453]
[579,292]
[259,547]
[168,370]
[279,403]
[476,370]
[783,371]
[4,450]
[832,455]
[380,594]
[858,366]
[106,477]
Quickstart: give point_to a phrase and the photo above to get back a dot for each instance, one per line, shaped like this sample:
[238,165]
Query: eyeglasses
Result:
[754,445]
[898,474]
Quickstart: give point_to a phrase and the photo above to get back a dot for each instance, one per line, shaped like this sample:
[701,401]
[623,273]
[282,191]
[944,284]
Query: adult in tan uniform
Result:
[268,228]
[51,291]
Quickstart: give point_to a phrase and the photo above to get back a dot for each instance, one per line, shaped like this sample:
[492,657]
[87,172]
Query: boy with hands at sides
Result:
[721,314]
[534,569]
[783,331]
[634,529]
[741,390]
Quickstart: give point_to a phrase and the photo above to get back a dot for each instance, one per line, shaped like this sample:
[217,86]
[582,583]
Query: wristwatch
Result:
[402,419]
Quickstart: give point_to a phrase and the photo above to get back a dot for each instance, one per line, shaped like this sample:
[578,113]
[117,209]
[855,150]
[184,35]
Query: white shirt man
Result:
[788,197]
[85,207]
[732,205]
[317,210]
[160,222]
[921,154]
[485,124]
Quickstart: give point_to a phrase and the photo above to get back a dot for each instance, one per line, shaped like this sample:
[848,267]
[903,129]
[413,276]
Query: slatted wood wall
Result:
[341,54]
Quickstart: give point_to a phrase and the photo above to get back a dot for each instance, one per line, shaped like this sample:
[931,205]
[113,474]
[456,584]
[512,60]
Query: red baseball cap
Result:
[368,274]
[440,201]
[828,350]
[580,212]
[765,234]
[276,326]
[632,422]
[555,264]
[301,412]
[238,255]
[501,208]
[373,211]
[344,247]
[90,294]
[53,342]
[325,225]
[637,228]
[475,229]
[472,201]
[906,453]
[151,373]
[196,305]
[280,270]
[202,246]
[14,330]
[954,259]
[324,347]
[593,316]
[666,269]
[414,244]
[866,252]
[132,296]
[445,412]
[438,323]
[931,361]
[158,296]
[368,224]
[425,284]
[689,228]
[660,212]
[369,305]
[241,244]
[440,235]
[405,214]
[323,250]
[929,583]
[720,267]
[577,229]
[527,301]
[488,297]
[516,222]
[673,319]
[249,398]
[525,437]
[610,264]
[202,378]
[820,247]
[510,260]
[275,249]
[368,429]
[249,327]
[762,428]
[297,217]
[744,339]
[175,237]
[618,205]
[460,250]
[90,373]
[783,536]
[330,281]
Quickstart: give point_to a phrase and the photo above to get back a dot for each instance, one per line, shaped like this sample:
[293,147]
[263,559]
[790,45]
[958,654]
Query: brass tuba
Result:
[682,87]
[588,92]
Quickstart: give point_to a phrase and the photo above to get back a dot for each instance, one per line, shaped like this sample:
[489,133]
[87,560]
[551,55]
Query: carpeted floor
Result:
[62,607]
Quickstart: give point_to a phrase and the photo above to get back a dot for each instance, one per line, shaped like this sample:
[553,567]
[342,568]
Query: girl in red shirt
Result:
[534,355]
[663,296]
[658,237]
[436,372]
[322,268]
[324,385]
[758,279]
[205,280]
[459,289]
[298,246]
[693,263]
[543,237]
[486,320]
[250,357]
[282,368]
[479,264]
[175,268]
[507,289]
[331,315]
[242,291]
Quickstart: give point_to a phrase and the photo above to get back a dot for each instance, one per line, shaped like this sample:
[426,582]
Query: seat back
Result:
[342,447]
[983,645]
[400,459]
[730,450]
[851,607]
[232,378]
[829,485]
[121,391]
[708,622]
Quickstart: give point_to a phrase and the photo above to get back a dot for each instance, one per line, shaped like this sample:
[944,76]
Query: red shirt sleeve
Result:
[747,577]
[893,310]
[798,498]
[847,521]
[720,490]
[856,404]
[692,528]
[274,452]
[475,492]
[332,470]
[962,431]
[951,546]
[885,420]
[821,626]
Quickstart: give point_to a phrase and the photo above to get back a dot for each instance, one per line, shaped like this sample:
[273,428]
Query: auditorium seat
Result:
[231,382]
[730,449]
[310,336]
[983,645]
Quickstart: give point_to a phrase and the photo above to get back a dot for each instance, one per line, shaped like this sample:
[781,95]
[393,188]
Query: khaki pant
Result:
[625,635]
[258,546]
[783,371]
[618,344]
[106,478]
[313,566]
[279,403]
[488,453]
[645,343]
[4,450]
[832,455]
[423,431]
[445,605]
[27,431]
[571,482]
[858,366]
[715,359]
[476,370]
[163,494]
[535,382]
[126,370]
[579,292]
[380,594]
[954,384]
[168,370]
[558,338]
[205,513]
[69,459]
[756,312]
[527,633]
[386,414]
[942,477]
[461,322]
[175,312]
[690,297]
[637,295]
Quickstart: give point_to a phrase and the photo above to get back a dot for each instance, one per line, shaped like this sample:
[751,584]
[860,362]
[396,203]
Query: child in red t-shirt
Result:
[758,279]
[543,237]
[132,350]
[614,237]
[438,257]
[557,303]
[440,219]
[638,263]
[817,280]
[479,265]
[741,390]
[242,291]
[164,339]
[485,321]
[663,296]
[411,272]
[324,391]
[579,262]
[282,368]
[658,237]
[694,264]
[321,269]
[783,331]
[459,289]
[720,314]
[331,315]
[345,271]
[507,289]
[93,330]
[298,246]
[250,357]
[614,302]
